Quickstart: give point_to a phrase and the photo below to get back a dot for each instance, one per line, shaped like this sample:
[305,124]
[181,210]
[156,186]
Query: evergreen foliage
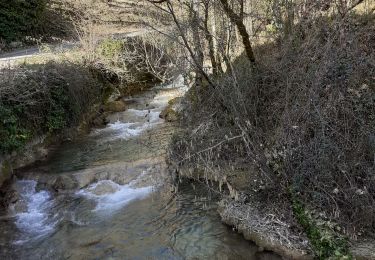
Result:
[19,18]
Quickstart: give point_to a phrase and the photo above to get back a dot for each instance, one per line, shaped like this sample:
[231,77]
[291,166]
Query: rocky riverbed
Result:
[108,194]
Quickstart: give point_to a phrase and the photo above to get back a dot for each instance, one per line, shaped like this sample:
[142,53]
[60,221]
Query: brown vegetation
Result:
[284,92]
[300,123]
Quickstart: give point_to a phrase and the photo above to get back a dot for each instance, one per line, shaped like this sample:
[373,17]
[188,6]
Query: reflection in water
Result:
[121,210]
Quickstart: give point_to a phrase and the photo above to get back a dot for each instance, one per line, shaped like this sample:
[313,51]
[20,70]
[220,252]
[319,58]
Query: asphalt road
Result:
[9,58]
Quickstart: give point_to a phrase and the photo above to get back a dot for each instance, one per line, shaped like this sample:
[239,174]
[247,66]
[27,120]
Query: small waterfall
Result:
[34,220]
[111,196]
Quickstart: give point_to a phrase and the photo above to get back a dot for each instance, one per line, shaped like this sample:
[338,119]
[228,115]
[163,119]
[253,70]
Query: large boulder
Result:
[64,183]
[115,106]
[171,112]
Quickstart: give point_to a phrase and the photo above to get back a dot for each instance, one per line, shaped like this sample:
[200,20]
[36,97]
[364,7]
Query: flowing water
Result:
[104,197]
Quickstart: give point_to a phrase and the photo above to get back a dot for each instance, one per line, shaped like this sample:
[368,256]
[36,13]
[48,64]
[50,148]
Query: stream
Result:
[105,196]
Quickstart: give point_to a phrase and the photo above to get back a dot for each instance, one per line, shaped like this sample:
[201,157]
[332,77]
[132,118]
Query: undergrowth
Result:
[303,118]
[326,243]
[43,98]
[12,134]
[20,18]
[49,95]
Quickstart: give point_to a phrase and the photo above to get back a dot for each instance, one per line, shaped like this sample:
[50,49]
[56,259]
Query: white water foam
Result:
[35,220]
[138,121]
[111,196]
[151,116]
[178,82]
[127,130]
[124,131]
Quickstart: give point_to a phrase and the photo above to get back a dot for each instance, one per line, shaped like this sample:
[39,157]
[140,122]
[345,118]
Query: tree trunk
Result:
[194,16]
[209,39]
[236,19]
[215,44]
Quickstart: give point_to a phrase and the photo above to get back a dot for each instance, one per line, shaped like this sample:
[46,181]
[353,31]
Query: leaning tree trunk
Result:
[236,19]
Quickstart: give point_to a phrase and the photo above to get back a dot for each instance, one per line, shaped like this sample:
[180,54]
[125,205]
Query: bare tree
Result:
[235,18]
[238,21]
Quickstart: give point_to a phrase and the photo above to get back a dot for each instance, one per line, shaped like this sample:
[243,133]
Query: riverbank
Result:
[54,97]
[39,107]
[108,194]
[292,138]
[269,223]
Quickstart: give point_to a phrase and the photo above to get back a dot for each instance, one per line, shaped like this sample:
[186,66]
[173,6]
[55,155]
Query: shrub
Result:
[12,135]
[111,49]
[325,243]
[304,117]
[20,18]
[47,98]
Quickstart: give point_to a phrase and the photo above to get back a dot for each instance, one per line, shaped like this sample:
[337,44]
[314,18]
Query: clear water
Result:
[123,210]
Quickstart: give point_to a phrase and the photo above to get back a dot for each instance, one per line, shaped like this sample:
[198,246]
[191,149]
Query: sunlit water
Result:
[121,209]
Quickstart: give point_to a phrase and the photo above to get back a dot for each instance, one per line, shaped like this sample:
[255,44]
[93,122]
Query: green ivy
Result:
[325,243]
[12,135]
[60,111]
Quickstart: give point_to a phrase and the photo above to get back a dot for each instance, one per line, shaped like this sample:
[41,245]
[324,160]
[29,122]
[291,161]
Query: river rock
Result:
[64,183]
[115,106]
[9,197]
[116,94]
[104,187]
[5,171]
[169,115]
[19,206]
[100,121]
[171,112]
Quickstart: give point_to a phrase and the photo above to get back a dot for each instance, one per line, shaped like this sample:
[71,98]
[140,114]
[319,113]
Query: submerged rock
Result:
[104,187]
[64,183]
